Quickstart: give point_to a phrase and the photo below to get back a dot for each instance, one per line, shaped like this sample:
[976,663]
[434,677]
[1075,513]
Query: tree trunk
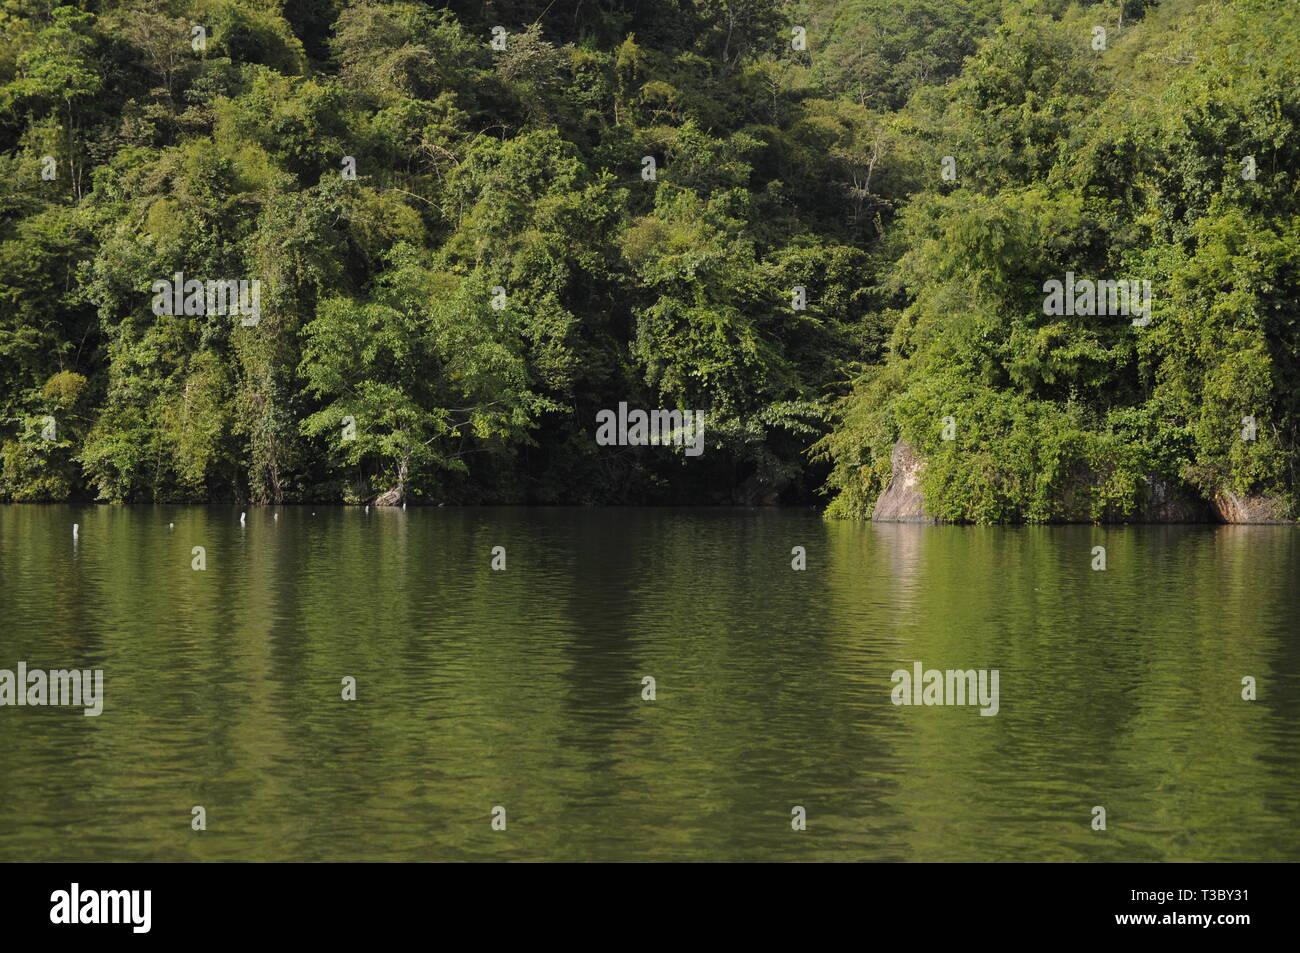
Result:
[397,494]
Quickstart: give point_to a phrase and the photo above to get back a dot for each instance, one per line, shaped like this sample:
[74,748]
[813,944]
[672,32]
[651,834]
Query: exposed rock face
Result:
[1232,508]
[1164,504]
[756,492]
[397,494]
[901,501]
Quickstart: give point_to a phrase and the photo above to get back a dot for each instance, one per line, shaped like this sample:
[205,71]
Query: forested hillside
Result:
[828,224]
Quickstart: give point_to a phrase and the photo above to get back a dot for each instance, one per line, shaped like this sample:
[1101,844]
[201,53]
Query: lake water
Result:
[523,689]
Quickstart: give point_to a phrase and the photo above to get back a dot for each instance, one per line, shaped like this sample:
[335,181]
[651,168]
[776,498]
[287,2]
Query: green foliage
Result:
[514,176]
[1077,417]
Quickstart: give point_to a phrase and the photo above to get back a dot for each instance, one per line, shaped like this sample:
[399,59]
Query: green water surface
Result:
[1119,688]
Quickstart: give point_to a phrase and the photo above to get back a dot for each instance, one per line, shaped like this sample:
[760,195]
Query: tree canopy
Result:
[826,223]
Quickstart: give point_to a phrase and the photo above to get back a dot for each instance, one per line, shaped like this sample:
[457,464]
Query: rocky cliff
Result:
[903,502]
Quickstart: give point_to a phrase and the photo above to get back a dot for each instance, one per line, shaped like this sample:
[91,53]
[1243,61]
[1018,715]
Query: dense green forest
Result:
[829,224]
